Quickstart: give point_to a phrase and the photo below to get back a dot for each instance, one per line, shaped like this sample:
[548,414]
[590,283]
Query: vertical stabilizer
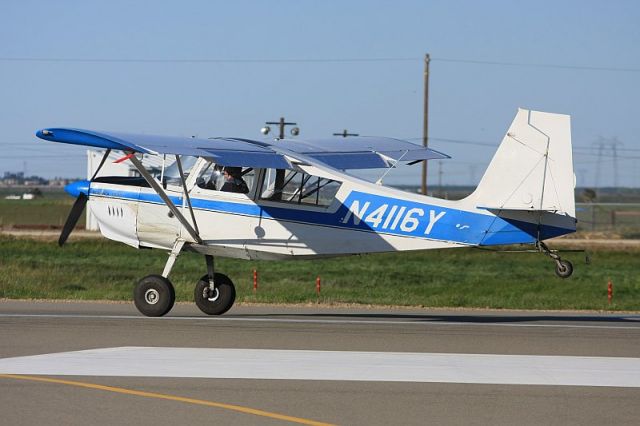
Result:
[533,167]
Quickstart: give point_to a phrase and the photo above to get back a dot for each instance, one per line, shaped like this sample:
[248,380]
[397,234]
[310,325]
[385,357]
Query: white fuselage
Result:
[363,218]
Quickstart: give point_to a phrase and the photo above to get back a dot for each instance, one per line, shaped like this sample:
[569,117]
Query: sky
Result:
[221,68]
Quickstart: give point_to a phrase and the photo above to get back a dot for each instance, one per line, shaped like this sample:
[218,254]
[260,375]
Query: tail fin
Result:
[533,167]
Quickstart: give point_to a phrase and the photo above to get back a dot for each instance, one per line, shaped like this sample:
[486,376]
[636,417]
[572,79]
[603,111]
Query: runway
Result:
[101,363]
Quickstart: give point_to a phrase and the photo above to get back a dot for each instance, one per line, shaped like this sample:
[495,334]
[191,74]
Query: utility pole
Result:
[600,145]
[614,147]
[425,122]
[345,133]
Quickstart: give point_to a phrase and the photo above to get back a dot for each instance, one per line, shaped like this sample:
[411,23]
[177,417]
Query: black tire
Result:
[564,269]
[154,295]
[222,300]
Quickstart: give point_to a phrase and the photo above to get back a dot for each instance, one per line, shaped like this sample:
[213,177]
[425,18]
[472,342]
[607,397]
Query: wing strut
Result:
[154,184]
[186,194]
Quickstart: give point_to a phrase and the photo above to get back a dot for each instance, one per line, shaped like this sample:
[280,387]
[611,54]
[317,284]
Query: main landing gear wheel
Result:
[154,295]
[564,268]
[220,300]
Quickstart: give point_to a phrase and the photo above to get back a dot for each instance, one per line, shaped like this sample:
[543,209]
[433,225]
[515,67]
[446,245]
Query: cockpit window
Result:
[227,179]
[291,186]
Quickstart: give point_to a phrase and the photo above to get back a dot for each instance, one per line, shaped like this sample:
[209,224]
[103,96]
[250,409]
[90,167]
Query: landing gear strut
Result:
[214,293]
[564,268]
[216,301]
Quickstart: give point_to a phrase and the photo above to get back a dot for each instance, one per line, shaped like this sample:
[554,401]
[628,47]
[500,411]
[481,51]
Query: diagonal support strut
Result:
[160,191]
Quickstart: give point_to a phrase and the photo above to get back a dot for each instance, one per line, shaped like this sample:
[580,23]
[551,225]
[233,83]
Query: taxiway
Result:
[104,363]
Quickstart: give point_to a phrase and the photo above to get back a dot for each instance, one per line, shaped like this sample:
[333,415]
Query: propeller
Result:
[72,219]
[80,190]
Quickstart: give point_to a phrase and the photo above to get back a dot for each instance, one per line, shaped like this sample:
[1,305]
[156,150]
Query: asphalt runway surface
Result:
[102,363]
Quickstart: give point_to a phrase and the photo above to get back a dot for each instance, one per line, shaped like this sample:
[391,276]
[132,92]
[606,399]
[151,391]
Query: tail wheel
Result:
[564,268]
[222,298]
[154,295]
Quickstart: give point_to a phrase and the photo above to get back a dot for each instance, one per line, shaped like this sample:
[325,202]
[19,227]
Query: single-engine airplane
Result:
[292,198]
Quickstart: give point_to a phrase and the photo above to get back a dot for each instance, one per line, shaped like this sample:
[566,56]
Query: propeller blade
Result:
[72,219]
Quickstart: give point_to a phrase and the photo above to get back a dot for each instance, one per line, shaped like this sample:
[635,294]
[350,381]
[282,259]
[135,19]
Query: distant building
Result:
[59,181]
[35,181]
[11,175]
[18,179]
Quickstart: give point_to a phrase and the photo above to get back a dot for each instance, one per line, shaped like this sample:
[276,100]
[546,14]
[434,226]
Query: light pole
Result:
[282,123]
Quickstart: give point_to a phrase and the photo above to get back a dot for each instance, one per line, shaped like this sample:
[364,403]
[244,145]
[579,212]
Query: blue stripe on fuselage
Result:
[401,217]
[409,218]
[380,214]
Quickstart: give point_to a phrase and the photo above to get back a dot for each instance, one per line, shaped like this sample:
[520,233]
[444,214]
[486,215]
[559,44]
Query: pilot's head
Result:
[235,172]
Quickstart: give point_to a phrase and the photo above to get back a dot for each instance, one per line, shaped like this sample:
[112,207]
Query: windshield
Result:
[172,174]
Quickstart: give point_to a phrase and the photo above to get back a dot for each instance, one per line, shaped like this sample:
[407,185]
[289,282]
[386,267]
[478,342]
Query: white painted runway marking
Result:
[420,322]
[332,365]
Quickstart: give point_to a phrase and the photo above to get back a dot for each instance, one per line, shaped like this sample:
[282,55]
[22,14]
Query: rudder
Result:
[533,167]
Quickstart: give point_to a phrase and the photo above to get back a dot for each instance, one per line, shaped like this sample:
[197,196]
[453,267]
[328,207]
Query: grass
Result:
[41,211]
[101,269]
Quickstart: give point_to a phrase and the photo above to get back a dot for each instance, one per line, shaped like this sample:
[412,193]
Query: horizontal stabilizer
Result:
[503,209]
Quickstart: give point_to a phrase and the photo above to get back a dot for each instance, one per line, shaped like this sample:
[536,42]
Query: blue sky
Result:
[230,96]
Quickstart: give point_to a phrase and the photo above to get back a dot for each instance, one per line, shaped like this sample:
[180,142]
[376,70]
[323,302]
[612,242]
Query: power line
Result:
[619,149]
[537,65]
[607,160]
[29,156]
[203,60]
[309,60]
[578,150]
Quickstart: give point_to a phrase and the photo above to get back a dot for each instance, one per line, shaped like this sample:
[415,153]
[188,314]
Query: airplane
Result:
[296,198]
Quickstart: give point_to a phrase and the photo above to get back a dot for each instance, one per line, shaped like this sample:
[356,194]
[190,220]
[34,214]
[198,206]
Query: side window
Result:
[226,179]
[319,191]
[290,186]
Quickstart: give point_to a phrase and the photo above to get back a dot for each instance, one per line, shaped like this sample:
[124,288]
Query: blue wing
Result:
[361,152]
[228,152]
[347,153]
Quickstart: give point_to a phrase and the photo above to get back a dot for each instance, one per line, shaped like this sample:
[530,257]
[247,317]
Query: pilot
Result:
[233,181]
[213,176]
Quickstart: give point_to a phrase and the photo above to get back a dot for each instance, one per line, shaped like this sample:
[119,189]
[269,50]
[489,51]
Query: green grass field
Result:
[51,211]
[101,269]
